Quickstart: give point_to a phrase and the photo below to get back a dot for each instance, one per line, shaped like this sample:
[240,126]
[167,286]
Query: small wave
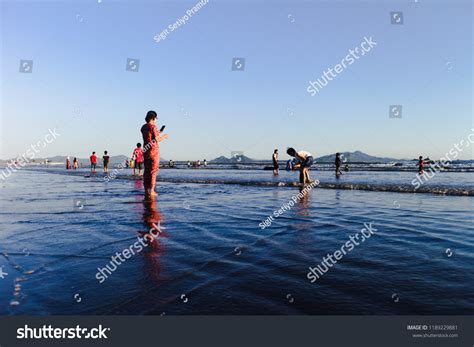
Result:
[328,185]
[441,190]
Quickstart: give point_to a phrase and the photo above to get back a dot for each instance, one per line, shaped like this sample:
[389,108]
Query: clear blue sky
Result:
[79,49]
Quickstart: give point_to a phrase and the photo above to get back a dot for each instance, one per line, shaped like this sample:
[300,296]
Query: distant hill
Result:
[355,157]
[238,159]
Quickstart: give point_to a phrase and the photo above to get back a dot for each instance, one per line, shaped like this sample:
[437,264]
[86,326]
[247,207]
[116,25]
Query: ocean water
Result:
[212,257]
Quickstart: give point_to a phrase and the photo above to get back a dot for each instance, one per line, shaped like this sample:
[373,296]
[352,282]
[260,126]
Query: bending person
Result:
[151,149]
[304,160]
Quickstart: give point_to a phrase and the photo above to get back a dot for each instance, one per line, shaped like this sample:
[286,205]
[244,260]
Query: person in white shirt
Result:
[304,160]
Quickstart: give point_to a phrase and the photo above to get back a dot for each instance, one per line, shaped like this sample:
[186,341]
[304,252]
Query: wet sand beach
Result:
[213,258]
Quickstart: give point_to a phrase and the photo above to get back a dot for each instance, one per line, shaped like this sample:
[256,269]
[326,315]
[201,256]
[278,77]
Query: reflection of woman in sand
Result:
[154,250]
[151,140]
[152,220]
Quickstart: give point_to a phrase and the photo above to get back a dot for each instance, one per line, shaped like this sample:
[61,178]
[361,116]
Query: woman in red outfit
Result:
[151,149]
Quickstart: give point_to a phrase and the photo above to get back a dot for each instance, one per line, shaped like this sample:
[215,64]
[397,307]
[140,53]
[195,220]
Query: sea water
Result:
[211,257]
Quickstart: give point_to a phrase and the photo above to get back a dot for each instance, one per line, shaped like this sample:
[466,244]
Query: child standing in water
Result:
[338,164]
[68,164]
[138,159]
[421,165]
[304,160]
[93,159]
[74,164]
[275,162]
[106,160]
[151,140]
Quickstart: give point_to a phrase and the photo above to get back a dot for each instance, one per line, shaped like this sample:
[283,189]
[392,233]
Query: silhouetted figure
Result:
[275,162]
[421,165]
[338,164]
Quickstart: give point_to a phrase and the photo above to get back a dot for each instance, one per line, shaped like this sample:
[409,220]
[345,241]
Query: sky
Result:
[80,87]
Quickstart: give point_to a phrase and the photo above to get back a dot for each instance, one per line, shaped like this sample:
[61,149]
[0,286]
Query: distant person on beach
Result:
[171,164]
[151,140]
[93,161]
[189,163]
[138,159]
[75,164]
[421,165]
[68,164]
[338,164]
[205,162]
[198,163]
[275,162]
[346,168]
[106,159]
[304,160]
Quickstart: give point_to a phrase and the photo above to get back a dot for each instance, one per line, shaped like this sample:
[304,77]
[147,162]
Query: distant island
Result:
[352,157]
[237,159]
[355,157]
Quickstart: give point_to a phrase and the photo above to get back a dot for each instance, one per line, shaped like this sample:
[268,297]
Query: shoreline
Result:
[375,187]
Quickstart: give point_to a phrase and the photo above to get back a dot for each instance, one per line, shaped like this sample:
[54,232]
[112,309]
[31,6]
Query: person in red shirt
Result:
[93,162]
[151,140]
[138,159]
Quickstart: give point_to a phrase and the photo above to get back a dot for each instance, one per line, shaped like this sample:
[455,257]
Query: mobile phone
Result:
[162,128]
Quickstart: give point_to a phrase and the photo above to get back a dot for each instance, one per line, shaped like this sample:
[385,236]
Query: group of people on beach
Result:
[135,163]
[75,164]
[302,160]
[105,161]
[152,137]
[148,158]
[197,163]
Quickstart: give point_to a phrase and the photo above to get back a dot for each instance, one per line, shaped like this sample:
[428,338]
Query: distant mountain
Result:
[355,157]
[238,159]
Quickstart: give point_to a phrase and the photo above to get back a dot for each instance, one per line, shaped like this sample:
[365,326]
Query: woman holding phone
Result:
[151,140]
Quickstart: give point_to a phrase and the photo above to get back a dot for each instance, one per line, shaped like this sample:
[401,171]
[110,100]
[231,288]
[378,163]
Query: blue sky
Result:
[80,48]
